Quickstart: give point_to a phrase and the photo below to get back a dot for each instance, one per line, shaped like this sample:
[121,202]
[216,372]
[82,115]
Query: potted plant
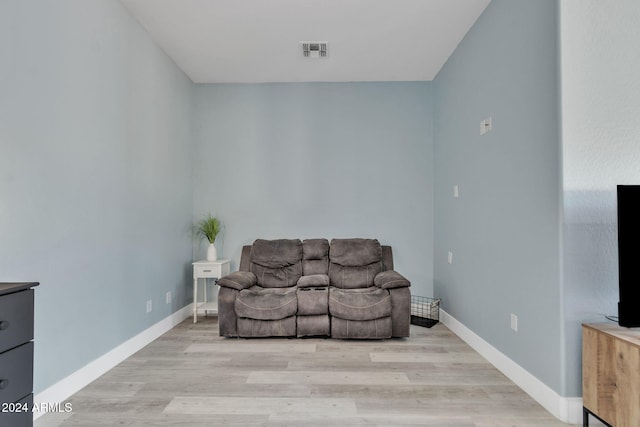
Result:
[209,227]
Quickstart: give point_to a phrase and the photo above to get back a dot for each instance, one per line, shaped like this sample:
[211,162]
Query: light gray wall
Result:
[319,160]
[504,229]
[601,148]
[95,176]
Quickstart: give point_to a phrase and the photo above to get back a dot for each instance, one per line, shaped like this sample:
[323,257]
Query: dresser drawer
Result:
[16,373]
[16,319]
[18,414]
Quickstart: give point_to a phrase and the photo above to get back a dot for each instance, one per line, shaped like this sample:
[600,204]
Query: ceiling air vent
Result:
[314,49]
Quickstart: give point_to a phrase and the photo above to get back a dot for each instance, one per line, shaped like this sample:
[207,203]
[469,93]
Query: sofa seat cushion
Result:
[359,304]
[276,263]
[266,303]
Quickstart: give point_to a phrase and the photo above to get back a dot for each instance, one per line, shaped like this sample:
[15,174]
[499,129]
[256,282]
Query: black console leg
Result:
[585,417]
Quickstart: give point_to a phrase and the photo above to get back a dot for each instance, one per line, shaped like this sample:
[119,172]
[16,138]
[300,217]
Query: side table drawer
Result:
[16,373]
[207,272]
[202,270]
[16,319]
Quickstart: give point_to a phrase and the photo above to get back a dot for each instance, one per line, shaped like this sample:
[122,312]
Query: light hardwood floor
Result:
[192,377]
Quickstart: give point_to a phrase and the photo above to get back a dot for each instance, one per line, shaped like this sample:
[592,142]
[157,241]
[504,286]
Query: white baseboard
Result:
[70,385]
[567,409]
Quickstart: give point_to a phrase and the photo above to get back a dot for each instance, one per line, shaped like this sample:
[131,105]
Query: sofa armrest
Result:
[390,279]
[238,280]
[319,280]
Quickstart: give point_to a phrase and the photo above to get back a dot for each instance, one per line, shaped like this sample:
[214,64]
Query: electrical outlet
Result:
[456,193]
[450,257]
[149,306]
[168,297]
[514,322]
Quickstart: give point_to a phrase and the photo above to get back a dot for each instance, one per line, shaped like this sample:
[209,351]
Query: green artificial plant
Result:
[209,227]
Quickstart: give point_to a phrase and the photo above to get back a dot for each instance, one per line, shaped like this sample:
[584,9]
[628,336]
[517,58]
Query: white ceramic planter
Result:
[212,253]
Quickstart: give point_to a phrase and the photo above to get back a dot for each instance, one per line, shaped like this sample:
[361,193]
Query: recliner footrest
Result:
[361,329]
[309,326]
[248,328]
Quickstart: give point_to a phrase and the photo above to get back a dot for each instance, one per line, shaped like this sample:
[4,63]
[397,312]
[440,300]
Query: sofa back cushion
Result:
[353,263]
[276,263]
[315,257]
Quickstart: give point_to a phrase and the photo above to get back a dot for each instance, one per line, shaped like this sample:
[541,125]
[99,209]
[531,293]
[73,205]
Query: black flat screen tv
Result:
[629,255]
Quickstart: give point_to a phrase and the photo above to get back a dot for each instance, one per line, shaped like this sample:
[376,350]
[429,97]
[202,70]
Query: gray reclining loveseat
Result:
[287,288]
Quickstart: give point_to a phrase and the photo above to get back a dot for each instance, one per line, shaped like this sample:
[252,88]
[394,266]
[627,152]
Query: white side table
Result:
[207,270]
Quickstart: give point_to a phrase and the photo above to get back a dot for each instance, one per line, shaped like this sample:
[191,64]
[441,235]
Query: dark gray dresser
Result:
[16,354]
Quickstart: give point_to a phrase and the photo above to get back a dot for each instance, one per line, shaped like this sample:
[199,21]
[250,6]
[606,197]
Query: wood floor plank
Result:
[110,388]
[261,346]
[164,420]
[273,406]
[403,357]
[228,389]
[401,392]
[313,377]
[379,421]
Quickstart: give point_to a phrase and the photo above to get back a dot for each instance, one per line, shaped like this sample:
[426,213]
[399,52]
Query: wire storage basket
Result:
[425,311]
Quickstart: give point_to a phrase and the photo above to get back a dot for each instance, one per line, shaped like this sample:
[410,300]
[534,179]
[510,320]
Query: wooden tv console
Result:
[611,374]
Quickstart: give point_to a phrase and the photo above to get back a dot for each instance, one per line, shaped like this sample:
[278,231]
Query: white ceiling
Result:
[216,41]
